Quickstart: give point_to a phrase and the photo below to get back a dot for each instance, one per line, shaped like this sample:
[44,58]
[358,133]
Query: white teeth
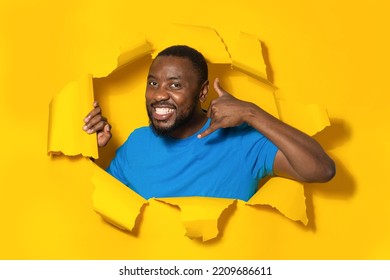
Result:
[163,111]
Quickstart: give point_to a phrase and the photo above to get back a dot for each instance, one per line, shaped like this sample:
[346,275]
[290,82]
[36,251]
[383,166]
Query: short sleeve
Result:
[116,167]
[259,152]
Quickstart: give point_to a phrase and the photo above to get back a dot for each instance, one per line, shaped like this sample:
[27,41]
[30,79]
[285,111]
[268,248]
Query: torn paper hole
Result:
[120,205]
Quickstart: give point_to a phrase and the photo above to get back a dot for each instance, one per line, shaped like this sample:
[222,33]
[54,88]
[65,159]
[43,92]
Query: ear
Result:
[204,91]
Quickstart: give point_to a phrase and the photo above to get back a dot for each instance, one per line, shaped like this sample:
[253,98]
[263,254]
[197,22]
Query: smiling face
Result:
[173,96]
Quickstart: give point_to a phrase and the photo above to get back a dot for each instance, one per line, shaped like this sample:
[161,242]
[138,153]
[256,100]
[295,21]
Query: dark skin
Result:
[96,123]
[174,81]
[172,94]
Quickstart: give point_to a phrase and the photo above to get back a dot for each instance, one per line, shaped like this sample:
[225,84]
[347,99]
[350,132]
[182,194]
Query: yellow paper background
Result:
[332,54]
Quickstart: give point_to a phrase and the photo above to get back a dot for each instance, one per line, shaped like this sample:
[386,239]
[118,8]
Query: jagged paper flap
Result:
[67,111]
[200,215]
[115,202]
[285,195]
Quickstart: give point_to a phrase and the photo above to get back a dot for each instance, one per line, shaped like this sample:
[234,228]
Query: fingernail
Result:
[85,127]
[89,130]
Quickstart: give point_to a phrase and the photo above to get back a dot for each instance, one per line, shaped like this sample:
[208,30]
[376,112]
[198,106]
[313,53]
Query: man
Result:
[223,152]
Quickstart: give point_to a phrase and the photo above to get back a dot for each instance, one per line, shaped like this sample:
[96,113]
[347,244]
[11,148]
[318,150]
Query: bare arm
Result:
[299,157]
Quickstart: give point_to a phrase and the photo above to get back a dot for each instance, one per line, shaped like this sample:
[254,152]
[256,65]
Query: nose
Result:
[161,94]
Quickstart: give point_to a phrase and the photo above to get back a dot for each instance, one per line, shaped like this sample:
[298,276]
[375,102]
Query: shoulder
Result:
[143,130]
[243,131]
[139,135]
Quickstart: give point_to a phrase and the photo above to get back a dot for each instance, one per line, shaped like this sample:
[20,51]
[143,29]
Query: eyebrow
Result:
[150,76]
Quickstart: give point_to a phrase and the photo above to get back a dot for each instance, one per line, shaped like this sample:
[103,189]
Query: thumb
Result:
[221,92]
[104,136]
[107,128]
[107,131]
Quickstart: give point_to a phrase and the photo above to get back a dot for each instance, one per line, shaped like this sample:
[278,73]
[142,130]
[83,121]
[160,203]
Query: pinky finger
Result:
[207,132]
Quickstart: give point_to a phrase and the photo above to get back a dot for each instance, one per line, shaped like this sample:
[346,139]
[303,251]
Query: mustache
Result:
[163,104]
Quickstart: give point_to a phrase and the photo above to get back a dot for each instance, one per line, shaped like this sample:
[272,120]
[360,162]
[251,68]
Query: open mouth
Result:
[163,113]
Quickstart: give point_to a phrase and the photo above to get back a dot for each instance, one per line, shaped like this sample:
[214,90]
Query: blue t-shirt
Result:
[228,163]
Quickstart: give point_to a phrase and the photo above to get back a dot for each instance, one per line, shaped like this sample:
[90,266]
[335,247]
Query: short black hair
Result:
[197,59]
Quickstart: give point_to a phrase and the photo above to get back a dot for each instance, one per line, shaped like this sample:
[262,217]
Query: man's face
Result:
[172,93]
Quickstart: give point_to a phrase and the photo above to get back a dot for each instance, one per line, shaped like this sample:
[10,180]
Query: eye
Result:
[152,83]
[175,86]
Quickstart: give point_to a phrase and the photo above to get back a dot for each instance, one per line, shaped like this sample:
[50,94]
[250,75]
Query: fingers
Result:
[208,131]
[222,111]
[96,124]
[94,121]
[215,124]
[93,112]
[211,112]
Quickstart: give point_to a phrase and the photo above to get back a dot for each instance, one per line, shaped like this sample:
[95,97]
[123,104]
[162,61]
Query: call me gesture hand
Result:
[225,111]
[299,157]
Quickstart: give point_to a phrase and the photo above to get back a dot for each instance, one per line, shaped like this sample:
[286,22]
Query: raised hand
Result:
[225,111]
[299,157]
[95,122]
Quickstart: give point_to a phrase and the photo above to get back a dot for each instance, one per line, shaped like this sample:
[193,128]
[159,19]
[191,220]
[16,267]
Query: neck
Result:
[191,127]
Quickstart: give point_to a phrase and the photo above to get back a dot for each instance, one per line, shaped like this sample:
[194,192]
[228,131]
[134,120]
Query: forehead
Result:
[172,66]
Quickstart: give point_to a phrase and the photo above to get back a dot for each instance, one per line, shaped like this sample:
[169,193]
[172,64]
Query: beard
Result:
[182,118]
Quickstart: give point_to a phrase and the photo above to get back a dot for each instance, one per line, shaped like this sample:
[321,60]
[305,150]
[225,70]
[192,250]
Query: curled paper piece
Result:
[200,215]
[134,50]
[247,56]
[116,203]
[74,102]
[309,118]
[66,114]
[202,38]
[285,195]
